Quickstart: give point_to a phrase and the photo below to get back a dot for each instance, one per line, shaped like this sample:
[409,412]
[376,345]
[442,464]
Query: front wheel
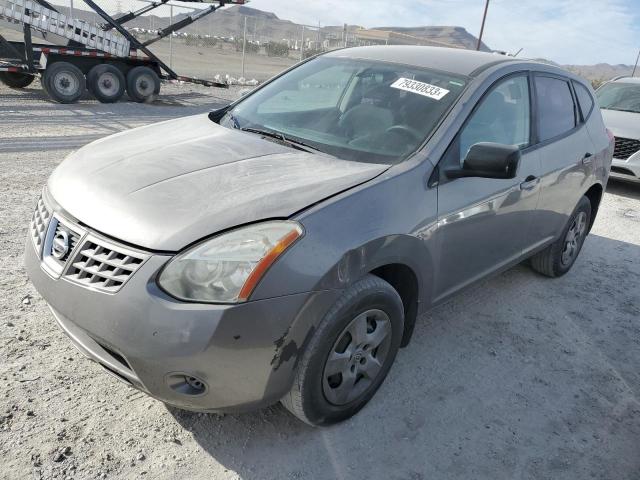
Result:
[558,258]
[349,355]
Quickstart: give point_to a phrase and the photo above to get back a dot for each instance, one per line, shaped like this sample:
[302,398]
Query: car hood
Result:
[622,124]
[164,186]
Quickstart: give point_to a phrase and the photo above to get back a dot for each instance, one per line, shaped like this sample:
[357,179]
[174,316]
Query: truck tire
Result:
[349,355]
[16,79]
[143,84]
[65,83]
[106,82]
[558,258]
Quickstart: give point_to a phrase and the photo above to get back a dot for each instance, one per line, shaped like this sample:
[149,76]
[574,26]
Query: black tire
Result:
[16,79]
[308,399]
[143,84]
[555,261]
[65,83]
[106,82]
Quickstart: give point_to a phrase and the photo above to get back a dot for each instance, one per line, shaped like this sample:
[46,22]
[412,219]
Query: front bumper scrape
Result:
[245,353]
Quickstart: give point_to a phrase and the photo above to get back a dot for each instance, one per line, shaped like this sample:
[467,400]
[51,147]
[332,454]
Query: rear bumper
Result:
[244,354]
[626,169]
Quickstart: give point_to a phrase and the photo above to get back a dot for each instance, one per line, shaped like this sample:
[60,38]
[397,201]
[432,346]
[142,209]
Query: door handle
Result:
[529,183]
[586,160]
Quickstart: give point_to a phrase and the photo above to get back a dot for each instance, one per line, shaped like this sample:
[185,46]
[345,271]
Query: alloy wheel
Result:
[574,238]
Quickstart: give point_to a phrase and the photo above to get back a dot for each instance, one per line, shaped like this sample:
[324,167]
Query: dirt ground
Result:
[520,378]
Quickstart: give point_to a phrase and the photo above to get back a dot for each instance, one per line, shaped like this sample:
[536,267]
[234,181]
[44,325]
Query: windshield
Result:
[619,96]
[352,109]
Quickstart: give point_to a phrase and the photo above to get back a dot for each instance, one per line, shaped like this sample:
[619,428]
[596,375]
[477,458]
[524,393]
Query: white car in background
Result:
[619,100]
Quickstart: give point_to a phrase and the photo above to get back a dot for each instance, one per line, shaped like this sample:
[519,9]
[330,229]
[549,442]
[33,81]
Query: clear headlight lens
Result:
[227,268]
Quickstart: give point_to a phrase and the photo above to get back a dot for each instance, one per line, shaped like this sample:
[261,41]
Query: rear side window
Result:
[584,99]
[556,110]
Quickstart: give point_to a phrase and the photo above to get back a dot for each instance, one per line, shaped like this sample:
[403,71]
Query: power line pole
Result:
[171,37]
[484,18]
[244,44]
[636,65]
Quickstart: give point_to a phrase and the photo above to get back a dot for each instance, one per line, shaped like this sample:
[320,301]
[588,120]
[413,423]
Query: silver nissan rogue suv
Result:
[282,248]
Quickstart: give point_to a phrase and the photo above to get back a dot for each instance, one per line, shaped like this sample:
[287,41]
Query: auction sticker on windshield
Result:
[424,89]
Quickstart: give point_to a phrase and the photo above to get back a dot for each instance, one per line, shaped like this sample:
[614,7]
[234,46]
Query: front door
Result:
[483,223]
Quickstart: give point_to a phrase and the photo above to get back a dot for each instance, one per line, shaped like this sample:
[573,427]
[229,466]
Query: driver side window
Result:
[503,116]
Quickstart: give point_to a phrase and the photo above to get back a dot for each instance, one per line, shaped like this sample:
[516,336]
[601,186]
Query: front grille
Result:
[39,223]
[74,238]
[103,267]
[625,147]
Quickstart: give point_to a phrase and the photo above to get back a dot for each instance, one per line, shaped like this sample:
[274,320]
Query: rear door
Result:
[566,153]
[483,223]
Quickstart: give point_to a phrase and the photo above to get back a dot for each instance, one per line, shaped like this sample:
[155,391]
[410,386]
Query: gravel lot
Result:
[520,378]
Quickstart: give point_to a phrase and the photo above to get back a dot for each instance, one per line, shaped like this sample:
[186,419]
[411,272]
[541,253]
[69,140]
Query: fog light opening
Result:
[195,383]
[186,384]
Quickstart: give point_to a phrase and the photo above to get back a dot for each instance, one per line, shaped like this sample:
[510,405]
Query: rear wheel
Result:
[143,84]
[349,355]
[558,258]
[16,79]
[106,82]
[65,83]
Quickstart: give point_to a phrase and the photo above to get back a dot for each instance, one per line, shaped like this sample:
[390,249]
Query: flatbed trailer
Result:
[106,59]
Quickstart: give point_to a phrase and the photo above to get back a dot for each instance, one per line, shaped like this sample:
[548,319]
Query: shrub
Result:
[277,49]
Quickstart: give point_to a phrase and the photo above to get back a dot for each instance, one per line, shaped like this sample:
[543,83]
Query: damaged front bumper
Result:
[193,356]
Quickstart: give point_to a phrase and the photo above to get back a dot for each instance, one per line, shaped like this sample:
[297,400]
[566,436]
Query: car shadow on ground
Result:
[625,189]
[521,377]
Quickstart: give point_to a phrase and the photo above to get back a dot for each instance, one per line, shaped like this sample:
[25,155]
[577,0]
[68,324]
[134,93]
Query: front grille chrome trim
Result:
[103,265]
[39,224]
[90,260]
[56,266]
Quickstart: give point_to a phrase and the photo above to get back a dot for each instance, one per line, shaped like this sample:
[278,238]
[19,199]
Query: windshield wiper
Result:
[297,144]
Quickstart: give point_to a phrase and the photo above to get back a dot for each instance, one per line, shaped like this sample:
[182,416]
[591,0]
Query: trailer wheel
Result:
[65,83]
[143,84]
[106,82]
[16,79]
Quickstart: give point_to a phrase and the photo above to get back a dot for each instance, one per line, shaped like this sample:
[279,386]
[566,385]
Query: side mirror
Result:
[489,160]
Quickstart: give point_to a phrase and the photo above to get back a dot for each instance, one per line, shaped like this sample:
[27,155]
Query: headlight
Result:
[226,269]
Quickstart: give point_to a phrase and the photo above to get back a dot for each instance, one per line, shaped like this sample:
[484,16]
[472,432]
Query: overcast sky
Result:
[565,31]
